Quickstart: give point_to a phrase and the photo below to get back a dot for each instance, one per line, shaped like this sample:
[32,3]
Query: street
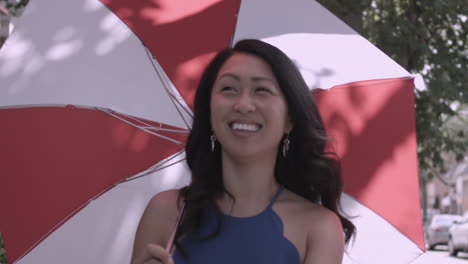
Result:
[441,256]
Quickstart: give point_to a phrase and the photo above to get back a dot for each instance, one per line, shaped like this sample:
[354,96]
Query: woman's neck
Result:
[250,181]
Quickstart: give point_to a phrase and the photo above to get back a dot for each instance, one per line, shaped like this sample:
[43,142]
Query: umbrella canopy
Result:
[96,105]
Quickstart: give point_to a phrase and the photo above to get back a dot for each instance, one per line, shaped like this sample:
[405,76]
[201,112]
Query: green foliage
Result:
[430,38]
[15,6]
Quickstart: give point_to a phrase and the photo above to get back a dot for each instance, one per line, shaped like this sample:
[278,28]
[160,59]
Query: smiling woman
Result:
[249,114]
[264,189]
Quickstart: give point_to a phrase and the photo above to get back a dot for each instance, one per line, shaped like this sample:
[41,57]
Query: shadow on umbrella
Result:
[58,152]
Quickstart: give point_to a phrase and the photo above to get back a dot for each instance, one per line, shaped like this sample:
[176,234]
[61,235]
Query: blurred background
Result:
[428,39]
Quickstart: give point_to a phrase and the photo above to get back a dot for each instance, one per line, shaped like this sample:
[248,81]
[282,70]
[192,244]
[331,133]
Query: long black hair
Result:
[308,169]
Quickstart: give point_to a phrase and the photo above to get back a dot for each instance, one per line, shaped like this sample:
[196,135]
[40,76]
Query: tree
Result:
[8,9]
[430,38]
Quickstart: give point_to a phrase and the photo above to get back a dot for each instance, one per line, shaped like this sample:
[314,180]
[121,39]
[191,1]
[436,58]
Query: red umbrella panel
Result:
[59,159]
[372,126]
[76,178]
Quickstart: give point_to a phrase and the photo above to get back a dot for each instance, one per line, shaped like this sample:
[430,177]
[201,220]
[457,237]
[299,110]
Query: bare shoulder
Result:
[165,201]
[324,237]
[308,211]
[162,211]
[157,221]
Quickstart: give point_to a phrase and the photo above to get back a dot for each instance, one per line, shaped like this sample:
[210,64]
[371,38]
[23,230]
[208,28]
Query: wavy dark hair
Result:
[308,169]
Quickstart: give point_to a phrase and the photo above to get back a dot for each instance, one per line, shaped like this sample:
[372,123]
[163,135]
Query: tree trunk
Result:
[412,14]
[423,188]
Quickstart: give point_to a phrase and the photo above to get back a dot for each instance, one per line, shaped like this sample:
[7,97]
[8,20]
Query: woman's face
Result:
[249,114]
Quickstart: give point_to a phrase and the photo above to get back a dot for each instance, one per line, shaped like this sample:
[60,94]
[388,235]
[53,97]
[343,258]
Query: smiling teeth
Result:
[246,127]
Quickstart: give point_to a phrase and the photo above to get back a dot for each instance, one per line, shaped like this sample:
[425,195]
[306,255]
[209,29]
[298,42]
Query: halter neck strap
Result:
[278,192]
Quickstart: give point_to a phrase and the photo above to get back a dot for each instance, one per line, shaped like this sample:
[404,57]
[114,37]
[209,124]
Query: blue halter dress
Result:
[248,240]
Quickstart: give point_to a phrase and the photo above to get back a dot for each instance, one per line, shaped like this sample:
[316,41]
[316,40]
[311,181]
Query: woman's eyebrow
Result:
[258,79]
[253,78]
[228,74]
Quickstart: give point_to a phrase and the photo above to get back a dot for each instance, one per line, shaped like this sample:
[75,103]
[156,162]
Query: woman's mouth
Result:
[249,127]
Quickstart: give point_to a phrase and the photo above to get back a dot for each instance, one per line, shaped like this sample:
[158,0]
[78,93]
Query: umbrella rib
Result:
[233,36]
[164,81]
[164,129]
[157,167]
[362,83]
[146,130]
[176,101]
[160,165]
[152,169]
[106,110]
[173,97]
[148,126]
[418,256]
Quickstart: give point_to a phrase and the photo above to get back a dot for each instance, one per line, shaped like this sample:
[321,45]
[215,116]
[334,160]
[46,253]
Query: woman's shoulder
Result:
[166,200]
[313,228]
[159,217]
[313,216]
[320,228]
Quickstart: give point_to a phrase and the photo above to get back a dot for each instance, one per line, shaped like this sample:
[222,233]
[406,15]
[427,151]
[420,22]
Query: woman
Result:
[264,189]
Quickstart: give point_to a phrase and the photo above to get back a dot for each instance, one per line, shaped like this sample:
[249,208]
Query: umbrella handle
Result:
[170,242]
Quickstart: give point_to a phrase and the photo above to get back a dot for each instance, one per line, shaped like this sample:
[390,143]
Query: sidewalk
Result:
[441,256]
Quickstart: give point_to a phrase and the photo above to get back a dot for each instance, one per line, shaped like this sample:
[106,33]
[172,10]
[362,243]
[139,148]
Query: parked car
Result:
[438,229]
[458,236]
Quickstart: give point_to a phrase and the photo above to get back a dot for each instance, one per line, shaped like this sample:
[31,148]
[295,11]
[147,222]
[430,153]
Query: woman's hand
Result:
[154,254]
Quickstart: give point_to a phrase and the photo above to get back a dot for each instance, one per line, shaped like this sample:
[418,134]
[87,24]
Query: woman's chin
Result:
[248,154]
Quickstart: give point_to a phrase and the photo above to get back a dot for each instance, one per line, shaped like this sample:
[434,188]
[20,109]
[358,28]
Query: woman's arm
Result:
[325,240]
[155,228]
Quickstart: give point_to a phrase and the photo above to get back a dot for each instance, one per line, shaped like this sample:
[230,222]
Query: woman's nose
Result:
[244,104]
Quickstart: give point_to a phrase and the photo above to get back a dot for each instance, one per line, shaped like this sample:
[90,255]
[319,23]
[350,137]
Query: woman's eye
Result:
[263,90]
[228,89]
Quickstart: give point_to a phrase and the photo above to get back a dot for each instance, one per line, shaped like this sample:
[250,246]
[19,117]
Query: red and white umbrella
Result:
[95,103]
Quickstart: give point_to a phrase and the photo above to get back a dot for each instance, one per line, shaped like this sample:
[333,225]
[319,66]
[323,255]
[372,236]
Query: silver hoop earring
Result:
[213,142]
[286,145]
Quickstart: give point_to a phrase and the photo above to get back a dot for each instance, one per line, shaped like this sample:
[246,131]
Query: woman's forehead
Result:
[241,64]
